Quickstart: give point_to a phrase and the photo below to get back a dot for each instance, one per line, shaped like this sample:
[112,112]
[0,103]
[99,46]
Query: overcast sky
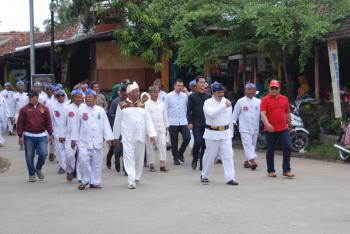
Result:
[14,14]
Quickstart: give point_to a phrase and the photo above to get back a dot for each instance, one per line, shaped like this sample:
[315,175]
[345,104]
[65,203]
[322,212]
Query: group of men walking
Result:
[76,129]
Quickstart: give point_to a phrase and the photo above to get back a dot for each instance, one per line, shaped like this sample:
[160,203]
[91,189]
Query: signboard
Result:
[334,68]
[44,79]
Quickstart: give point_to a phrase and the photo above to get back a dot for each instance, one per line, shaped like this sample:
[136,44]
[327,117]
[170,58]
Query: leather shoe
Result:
[232,182]
[271,174]
[182,158]
[246,164]
[288,174]
[176,162]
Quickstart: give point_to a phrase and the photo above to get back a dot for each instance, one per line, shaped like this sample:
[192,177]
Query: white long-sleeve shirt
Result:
[43,98]
[71,111]
[21,99]
[91,128]
[158,115]
[4,111]
[176,106]
[161,96]
[217,114]
[133,122]
[58,119]
[10,101]
[247,111]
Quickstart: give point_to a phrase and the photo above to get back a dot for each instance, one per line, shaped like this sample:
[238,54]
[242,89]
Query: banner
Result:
[334,68]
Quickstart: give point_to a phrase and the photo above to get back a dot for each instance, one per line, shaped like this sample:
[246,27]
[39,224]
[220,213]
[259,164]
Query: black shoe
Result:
[182,158]
[204,180]
[176,162]
[253,166]
[168,147]
[218,161]
[117,165]
[108,164]
[194,164]
[246,164]
[232,182]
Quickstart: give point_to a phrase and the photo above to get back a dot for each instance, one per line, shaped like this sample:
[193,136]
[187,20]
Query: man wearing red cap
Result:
[275,113]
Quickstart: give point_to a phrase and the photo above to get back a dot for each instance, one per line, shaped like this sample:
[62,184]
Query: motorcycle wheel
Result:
[299,141]
[342,155]
[261,142]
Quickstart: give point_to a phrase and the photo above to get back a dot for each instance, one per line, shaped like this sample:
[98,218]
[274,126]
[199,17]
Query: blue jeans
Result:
[34,145]
[284,139]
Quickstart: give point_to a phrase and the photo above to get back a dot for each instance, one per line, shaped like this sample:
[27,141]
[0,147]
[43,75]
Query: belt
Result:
[217,128]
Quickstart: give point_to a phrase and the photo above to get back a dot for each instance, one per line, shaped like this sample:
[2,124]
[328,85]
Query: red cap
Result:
[275,83]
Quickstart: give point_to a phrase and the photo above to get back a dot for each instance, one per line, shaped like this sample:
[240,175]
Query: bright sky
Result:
[14,14]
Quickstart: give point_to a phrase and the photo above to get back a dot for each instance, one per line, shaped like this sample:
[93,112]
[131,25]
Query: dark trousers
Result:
[199,142]
[174,139]
[118,151]
[284,139]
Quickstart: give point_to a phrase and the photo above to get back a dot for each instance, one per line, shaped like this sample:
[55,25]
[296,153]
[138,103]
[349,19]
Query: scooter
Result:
[299,136]
[343,153]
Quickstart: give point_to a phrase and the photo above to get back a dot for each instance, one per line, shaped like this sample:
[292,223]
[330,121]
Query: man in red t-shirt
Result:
[275,113]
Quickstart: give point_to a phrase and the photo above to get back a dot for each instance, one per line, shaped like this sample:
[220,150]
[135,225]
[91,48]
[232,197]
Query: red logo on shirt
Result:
[17,99]
[57,114]
[71,114]
[85,116]
[245,108]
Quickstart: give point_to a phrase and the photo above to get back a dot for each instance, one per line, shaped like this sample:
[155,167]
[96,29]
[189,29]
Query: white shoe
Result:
[132,186]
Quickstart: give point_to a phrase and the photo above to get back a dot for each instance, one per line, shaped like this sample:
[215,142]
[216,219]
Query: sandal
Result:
[82,186]
[152,169]
[164,169]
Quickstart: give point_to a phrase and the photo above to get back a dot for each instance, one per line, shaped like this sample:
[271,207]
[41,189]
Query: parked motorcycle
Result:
[343,152]
[300,137]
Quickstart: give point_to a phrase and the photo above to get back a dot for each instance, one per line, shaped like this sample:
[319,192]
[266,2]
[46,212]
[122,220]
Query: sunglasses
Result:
[274,88]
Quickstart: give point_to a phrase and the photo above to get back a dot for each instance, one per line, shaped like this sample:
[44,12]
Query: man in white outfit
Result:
[91,129]
[58,119]
[218,135]
[71,111]
[7,94]
[133,123]
[4,116]
[160,120]
[21,99]
[43,98]
[247,112]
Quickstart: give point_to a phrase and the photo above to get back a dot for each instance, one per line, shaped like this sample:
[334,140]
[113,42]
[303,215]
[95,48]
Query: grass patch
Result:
[322,151]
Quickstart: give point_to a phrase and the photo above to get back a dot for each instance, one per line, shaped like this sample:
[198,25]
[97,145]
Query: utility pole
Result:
[52,48]
[32,42]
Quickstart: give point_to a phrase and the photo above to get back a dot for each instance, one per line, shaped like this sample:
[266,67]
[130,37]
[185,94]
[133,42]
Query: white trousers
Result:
[60,153]
[3,127]
[70,157]
[133,157]
[90,166]
[249,145]
[161,145]
[222,147]
[10,125]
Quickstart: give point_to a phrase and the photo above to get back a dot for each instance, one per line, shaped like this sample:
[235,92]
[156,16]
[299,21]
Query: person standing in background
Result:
[100,98]
[8,95]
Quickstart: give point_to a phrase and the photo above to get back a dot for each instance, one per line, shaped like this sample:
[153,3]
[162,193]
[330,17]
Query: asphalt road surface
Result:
[317,200]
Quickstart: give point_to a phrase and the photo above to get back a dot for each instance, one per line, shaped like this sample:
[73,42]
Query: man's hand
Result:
[269,127]
[190,126]
[109,143]
[61,140]
[228,103]
[152,140]
[21,141]
[73,144]
[50,139]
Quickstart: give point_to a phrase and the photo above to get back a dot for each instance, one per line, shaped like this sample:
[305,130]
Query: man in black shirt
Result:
[196,120]
[111,116]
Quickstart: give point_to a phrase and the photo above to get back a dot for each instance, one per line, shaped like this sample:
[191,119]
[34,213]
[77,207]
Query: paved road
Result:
[316,201]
